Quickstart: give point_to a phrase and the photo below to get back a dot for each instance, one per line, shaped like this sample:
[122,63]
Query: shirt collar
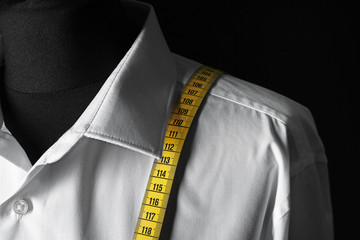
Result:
[132,107]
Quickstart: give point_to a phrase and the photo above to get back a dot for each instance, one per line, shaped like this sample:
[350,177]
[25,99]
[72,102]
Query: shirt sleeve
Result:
[310,213]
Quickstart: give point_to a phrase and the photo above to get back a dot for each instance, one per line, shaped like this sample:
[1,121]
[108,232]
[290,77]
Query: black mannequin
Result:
[57,54]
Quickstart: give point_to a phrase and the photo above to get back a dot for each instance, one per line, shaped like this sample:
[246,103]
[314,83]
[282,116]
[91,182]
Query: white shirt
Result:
[253,166]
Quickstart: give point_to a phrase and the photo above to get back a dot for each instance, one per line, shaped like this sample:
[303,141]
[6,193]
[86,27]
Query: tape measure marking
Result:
[162,174]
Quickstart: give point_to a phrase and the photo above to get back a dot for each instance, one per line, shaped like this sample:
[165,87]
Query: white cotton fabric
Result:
[253,168]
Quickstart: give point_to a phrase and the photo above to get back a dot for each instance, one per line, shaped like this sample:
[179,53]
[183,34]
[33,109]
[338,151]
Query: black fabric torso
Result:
[57,55]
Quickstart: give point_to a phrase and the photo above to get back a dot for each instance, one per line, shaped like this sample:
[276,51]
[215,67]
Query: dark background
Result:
[306,50]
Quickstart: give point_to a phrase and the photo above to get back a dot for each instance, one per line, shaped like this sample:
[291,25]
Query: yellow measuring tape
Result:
[157,192]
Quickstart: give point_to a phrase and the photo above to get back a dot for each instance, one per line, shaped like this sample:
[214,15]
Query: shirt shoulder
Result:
[241,92]
[256,103]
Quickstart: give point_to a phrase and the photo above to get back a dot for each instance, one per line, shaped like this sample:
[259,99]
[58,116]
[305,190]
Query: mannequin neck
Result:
[61,44]
[57,55]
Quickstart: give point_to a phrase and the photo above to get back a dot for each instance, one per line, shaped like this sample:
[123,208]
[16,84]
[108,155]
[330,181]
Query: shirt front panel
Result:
[94,192]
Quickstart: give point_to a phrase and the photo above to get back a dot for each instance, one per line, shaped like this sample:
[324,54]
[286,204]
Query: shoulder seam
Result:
[248,106]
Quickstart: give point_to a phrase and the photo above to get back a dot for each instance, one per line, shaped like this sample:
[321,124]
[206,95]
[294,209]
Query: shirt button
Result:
[21,207]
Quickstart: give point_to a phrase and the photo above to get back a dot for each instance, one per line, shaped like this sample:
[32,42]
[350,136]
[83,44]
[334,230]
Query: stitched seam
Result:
[243,104]
[306,167]
[313,155]
[282,216]
[122,140]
